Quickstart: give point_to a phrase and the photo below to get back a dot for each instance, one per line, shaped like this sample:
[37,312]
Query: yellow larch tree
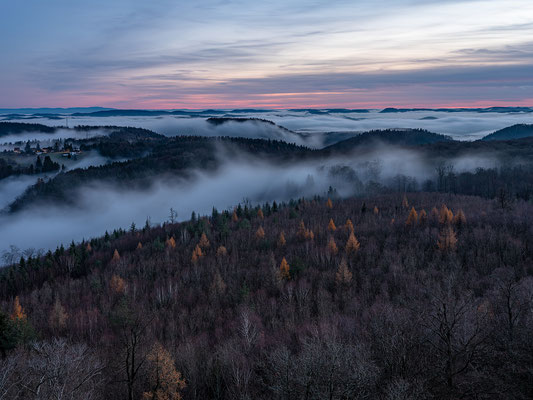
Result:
[412,218]
[376,210]
[447,239]
[196,254]
[89,248]
[165,381]
[349,225]
[117,284]
[171,243]
[284,269]
[331,226]
[460,218]
[332,247]
[221,252]
[234,217]
[329,204]
[352,244]
[260,233]
[139,246]
[18,313]
[445,215]
[260,214]
[204,242]
[343,276]
[116,256]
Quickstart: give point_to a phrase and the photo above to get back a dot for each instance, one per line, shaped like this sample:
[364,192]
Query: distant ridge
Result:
[451,110]
[405,137]
[68,110]
[517,131]
[223,120]
[146,113]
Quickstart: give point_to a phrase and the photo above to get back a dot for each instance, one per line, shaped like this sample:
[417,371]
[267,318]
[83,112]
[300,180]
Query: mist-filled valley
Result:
[119,176]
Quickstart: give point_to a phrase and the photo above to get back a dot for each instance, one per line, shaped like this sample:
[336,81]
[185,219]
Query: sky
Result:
[276,54]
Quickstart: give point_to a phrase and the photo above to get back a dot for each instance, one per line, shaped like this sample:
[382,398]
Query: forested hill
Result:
[403,137]
[428,295]
[10,128]
[176,157]
[155,156]
[512,132]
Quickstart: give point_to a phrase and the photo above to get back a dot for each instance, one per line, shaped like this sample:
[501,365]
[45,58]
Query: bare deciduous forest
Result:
[424,295]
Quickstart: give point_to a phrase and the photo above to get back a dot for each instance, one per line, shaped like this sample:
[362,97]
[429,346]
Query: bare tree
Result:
[59,370]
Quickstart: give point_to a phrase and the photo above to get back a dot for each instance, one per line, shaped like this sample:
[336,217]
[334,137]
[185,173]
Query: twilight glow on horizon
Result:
[277,54]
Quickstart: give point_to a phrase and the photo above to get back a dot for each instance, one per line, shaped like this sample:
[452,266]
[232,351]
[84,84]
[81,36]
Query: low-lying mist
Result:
[106,207]
[469,125]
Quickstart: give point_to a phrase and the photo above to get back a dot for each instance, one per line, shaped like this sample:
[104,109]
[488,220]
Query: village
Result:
[66,150]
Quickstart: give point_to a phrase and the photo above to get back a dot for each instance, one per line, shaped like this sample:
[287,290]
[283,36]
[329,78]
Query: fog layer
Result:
[100,208]
[461,126]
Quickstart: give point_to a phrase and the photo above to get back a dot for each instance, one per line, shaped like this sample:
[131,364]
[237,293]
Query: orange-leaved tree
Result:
[221,251]
[116,256]
[196,254]
[171,243]
[260,233]
[18,312]
[284,269]
[412,218]
[331,226]
[460,218]
[445,215]
[447,239]
[117,284]
[165,382]
[352,245]
[349,225]
[204,242]
[332,247]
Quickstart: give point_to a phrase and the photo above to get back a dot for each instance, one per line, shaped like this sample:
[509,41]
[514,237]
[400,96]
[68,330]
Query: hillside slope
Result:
[288,288]
[518,131]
